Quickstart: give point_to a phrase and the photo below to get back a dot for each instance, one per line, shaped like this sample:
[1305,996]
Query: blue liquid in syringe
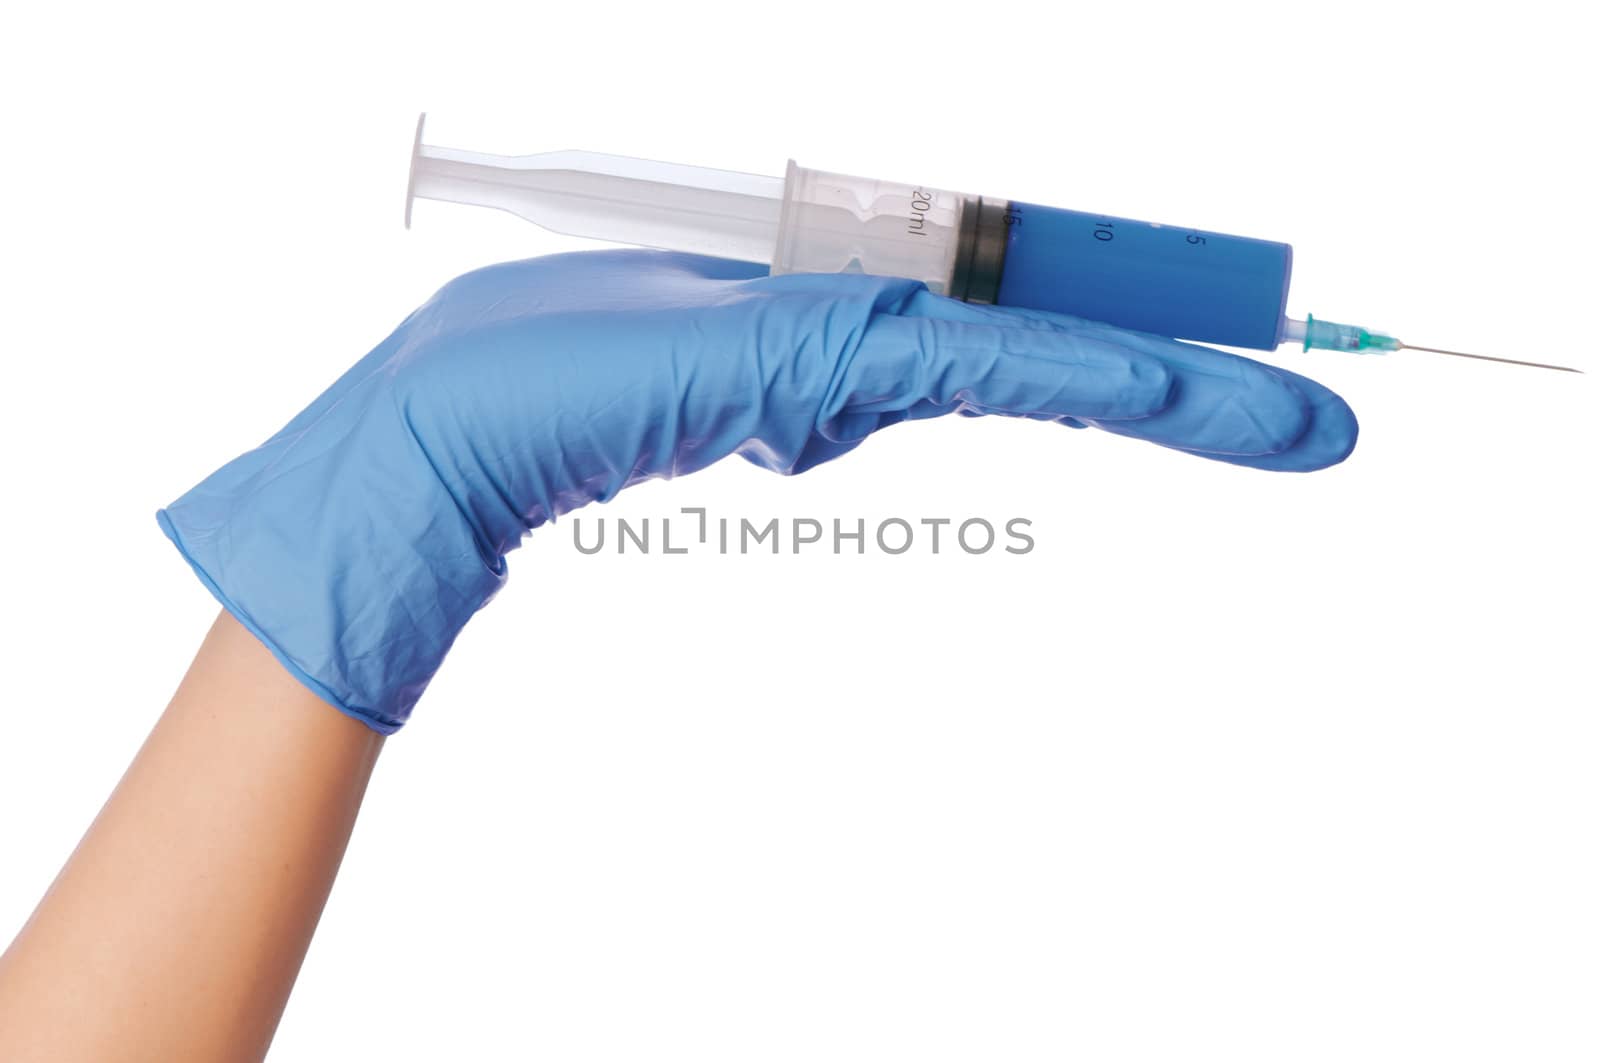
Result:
[1202,286]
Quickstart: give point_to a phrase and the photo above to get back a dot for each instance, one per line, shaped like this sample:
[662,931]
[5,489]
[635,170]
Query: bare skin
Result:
[177,928]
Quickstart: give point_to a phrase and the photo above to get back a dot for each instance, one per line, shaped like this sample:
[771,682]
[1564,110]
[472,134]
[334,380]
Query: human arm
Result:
[176,929]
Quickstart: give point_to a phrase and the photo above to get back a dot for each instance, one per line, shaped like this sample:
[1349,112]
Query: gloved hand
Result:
[358,541]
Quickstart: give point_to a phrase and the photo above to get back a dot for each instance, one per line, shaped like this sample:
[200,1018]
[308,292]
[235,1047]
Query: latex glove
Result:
[359,540]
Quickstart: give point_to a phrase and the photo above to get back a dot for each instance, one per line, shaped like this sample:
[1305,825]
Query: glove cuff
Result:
[347,558]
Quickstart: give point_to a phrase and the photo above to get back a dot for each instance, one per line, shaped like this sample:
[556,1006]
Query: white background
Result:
[1233,766]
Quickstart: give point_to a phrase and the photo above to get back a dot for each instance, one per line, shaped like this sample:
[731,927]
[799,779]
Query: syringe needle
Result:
[1332,336]
[1489,358]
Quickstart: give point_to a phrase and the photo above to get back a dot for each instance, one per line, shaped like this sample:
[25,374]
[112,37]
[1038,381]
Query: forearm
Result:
[177,928]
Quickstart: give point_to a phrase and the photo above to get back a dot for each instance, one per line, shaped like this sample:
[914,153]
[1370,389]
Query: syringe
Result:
[1186,283]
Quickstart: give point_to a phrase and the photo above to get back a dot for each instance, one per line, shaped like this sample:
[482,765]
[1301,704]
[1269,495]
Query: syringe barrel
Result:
[837,223]
[1170,280]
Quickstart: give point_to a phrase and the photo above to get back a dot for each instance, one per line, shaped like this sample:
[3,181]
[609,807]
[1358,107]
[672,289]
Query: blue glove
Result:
[359,540]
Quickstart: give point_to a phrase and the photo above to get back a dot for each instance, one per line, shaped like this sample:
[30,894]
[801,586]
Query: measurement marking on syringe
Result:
[921,203]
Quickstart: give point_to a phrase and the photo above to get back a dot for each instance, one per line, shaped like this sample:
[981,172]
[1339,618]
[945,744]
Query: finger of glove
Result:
[903,363]
[1221,403]
[1328,440]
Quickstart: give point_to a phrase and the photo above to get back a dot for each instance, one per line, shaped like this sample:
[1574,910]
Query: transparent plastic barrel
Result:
[836,223]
